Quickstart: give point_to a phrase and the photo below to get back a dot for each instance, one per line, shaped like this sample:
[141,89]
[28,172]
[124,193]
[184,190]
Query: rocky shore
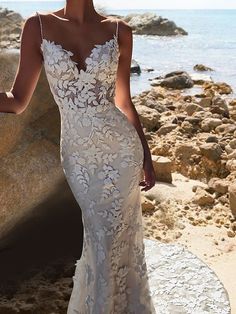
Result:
[152,24]
[193,136]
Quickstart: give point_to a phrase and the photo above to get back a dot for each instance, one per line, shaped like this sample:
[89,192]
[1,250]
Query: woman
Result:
[104,153]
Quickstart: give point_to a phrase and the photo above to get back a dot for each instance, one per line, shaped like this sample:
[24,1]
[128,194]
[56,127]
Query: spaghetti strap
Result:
[41,27]
[117,29]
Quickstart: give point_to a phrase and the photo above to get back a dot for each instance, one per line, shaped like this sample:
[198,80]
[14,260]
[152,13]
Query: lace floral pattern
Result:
[181,283]
[102,158]
[81,88]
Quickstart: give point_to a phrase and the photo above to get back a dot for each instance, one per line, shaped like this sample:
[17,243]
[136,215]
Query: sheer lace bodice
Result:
[81,88]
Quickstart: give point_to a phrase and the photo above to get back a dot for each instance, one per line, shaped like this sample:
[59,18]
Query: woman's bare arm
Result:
[29,67]
[123,96]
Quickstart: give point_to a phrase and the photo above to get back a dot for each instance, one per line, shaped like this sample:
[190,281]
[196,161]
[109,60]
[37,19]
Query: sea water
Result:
[211,40]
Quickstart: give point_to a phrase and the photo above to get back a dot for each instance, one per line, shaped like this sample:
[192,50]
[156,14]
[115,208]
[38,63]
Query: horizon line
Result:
[159,8]
[123,8]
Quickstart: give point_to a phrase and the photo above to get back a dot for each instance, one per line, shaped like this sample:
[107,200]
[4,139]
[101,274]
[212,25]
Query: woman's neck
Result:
[80,11]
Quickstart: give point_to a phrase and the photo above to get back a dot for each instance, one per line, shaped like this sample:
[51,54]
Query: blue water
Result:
[211,40]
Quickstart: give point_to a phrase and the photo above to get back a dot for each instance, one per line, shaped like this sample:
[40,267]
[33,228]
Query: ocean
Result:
[211,40]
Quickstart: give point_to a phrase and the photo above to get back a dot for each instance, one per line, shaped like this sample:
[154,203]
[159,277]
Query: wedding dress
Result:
[102,158]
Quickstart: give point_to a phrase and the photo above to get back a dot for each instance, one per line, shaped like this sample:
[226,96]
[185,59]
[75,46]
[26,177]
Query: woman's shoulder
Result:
[122,24]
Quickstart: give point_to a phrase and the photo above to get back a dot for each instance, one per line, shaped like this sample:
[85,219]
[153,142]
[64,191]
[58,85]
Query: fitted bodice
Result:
[74,88]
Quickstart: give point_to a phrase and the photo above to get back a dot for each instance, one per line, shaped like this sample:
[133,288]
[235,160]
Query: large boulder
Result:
[10,28]
[152,24]
[174,80]
[30,167]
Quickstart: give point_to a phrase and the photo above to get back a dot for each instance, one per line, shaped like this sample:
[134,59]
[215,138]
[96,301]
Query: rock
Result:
[225,128]
[152,24]
[147,205]
[205,102]
[212,139]
[187,127]
[180,117]
[233,226]
[29,148]
[147,69]
[199,78]
[223,199]
[232,114]
[232,143]
[174,80]
[231,165]
[211,151]
[162,166]
[149,117]
[219,106]
[187,98]
[217,87]
[192,108]
[232,102]
[232,110]
[10,29]
[187,158]
[210,124]
[202,67]
[166,129]
[232,155]
[135,67]
[232,198]
[228,149]
[230,234]
[202,197]
[193,120]
[218,185]
[186,150]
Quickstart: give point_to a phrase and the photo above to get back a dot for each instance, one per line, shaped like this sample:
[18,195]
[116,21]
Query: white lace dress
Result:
[102,158]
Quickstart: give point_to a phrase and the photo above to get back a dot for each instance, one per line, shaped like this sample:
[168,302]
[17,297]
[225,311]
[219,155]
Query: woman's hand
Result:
[149,175]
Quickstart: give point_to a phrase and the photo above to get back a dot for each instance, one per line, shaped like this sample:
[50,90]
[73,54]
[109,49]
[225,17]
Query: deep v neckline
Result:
[69,53]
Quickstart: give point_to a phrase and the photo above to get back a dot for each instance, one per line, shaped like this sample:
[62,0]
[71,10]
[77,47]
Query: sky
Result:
[160,4]
[168,4]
